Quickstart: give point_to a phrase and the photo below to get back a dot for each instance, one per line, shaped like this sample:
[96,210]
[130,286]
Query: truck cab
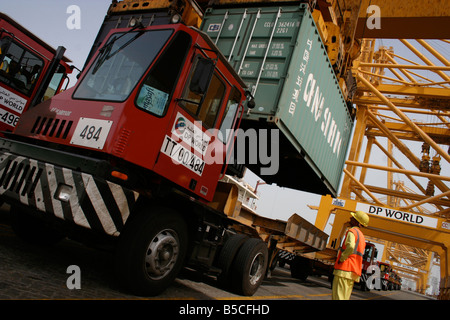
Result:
[370,256]
[132,156]
[369,260]
[162,101]
[30,71]
[385,271]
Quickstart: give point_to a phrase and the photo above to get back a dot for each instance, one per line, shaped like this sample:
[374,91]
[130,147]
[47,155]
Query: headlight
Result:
[176,18]
[63,192]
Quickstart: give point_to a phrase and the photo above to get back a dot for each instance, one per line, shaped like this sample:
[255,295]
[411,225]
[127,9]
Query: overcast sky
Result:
[49,20]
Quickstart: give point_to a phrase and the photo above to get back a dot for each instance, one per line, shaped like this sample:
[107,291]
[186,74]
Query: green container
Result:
[296,91]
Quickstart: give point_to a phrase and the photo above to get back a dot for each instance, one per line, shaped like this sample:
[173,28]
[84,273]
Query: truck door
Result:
[193,151]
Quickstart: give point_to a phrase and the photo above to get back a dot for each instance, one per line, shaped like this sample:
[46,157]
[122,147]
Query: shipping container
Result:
[278,52]
[131,13]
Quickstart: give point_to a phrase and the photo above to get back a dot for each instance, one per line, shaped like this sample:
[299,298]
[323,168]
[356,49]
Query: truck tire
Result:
[151,251]
[272,266]
[383,285]
[249,267]
[363,284]
[32,229]
[226,257]
[301,268]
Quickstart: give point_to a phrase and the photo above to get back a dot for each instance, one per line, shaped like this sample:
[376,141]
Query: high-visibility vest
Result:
[354,261]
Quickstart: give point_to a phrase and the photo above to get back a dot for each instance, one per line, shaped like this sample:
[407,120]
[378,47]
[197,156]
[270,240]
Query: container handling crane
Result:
[131,157]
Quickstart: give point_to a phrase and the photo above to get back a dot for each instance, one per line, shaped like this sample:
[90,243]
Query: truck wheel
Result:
[301,268]
[362,285]
[151,251]
[272,266]
[226,256]
[249,267]
[32,229]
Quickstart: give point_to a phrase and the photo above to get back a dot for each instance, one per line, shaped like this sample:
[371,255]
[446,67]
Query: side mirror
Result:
[202,76]
[250,100]
[251,104]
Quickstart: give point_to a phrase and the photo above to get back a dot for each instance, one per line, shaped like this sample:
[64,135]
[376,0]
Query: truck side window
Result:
[55,82]
[161,80]
[229,115]
[211,104]
[205,110]
[20,68]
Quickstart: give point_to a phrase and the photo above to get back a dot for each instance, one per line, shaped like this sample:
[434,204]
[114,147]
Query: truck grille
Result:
[52,127]
[20,178]
[122,142]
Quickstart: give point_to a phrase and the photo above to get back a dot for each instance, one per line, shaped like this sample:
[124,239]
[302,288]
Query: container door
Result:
[258,43]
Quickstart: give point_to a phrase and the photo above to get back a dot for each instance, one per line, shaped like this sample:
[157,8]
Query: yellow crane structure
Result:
[402,130]
[386,106]
[415,262]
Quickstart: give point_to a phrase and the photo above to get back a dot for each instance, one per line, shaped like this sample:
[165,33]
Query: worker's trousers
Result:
[342,288]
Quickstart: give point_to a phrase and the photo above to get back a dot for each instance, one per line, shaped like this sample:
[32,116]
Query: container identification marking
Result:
[314,99]
[214,27]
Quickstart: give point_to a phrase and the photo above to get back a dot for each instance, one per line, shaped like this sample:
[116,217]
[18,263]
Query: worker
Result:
[348,266]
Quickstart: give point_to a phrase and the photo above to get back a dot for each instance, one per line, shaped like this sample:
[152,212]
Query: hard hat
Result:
[361,217]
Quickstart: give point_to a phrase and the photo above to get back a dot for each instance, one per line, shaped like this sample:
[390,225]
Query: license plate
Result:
[181,155]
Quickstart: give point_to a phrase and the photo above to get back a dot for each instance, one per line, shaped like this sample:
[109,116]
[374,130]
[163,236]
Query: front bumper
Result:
[71,195]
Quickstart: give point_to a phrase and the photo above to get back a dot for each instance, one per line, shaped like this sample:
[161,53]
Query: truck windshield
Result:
[122,63]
